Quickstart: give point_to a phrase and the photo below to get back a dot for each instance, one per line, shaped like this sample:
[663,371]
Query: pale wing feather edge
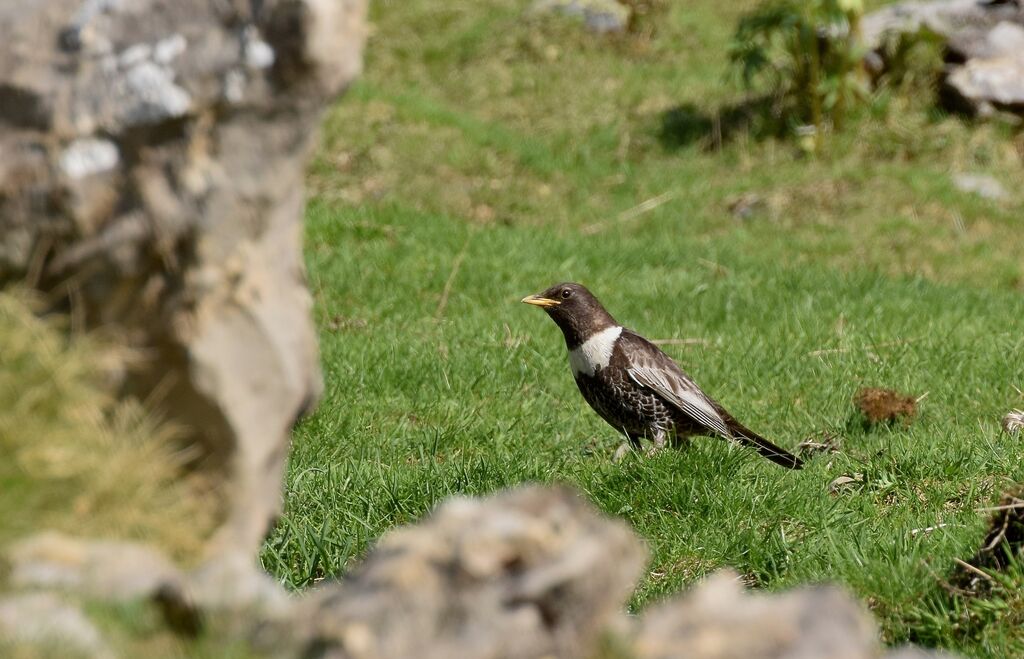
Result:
[688,399]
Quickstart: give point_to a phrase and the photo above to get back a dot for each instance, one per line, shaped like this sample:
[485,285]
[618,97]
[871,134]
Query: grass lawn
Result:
[486,154]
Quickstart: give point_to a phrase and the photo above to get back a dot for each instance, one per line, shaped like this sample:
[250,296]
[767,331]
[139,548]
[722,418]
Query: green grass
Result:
[491,155]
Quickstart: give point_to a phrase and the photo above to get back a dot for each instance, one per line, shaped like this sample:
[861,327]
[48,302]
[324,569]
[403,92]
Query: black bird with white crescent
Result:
[633,385]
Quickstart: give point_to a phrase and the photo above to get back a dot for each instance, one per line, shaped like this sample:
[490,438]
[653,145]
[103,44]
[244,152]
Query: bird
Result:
[634,386]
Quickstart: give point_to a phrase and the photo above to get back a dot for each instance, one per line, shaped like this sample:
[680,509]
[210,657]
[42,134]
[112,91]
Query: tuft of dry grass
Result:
[75,458]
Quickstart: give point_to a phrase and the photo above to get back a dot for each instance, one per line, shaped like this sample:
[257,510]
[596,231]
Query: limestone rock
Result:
[985,44]
[1005,39]
[535,572]
[600,16]
[990,84]
[965,23]
[983,185]
[152,156]
[718,620]
[115,571]
[104,569]
[529,573]
[234,584]
[43,619]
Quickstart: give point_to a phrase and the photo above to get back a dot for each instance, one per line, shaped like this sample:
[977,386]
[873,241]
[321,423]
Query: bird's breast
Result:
[595,353]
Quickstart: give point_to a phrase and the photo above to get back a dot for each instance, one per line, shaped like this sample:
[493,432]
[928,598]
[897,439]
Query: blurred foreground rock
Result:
[152,156]
[120,572]
[984,43]
[718,620]
[532,572]
[43,620]
[529,573]
[108,570]
[538,572]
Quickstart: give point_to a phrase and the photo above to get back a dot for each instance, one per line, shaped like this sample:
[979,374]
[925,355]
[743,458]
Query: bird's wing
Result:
[669,382]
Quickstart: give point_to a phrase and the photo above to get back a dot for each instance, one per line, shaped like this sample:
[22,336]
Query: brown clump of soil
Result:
[1003,545]
[885,405]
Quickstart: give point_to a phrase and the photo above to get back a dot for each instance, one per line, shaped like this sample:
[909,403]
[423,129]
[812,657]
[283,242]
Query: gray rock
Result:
[235,583]
[990,84]
[152,157]
[88,156]
[718,620]
[103,569]
[987,37]
[529,573]
[538,573]
[601,16]
[1006,39]
[983,185]
[532,572]
[746,205]
[964,22]
[43,619]
[232,586]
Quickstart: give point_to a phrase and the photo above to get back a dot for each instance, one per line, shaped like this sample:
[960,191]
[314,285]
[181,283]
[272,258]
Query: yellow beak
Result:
[541,302]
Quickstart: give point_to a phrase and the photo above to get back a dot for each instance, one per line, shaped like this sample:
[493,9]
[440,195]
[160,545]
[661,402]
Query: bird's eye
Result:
[566,293]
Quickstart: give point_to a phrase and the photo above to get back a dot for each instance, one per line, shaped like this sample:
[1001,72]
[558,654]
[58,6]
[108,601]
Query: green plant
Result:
[913,61]
[805,54]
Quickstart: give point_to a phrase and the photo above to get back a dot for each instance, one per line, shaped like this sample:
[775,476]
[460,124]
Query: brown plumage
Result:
[633,385]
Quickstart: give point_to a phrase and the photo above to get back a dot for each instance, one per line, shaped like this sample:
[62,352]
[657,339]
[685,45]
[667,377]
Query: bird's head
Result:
[574,309]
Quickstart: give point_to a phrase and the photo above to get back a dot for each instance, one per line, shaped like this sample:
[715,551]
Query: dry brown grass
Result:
[75,458]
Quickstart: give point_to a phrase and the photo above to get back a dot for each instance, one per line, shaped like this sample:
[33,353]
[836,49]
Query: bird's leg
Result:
[657,441]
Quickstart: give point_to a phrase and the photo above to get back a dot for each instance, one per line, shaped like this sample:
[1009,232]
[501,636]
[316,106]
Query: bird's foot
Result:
[621,452]
[653,449]
[658,442]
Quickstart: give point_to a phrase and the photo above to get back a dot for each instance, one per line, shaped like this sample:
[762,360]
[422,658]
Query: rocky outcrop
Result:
[536,572]
[532,572]
[529,573]
[964,23]
[44,621]
[108,570]
[718,620]
[151,181]
[984,42]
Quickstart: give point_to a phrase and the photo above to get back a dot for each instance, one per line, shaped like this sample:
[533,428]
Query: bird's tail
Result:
[779,456]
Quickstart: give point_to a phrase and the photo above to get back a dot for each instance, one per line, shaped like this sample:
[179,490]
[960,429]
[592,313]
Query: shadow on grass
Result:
[758,117]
